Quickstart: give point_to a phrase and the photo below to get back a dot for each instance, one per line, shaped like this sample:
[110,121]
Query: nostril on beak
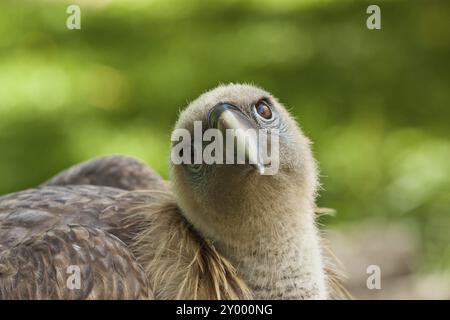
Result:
[216,113]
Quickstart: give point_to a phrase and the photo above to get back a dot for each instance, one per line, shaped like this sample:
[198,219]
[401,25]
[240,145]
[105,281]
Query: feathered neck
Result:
[182,264]
[284,262]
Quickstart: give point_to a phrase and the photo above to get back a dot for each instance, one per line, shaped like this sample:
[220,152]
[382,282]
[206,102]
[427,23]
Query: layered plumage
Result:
[232,234]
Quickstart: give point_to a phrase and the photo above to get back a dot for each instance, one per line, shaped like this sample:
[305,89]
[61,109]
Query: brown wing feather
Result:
[30,254]
[30,212]
[41,267]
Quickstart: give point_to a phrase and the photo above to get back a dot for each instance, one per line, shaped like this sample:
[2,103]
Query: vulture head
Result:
[237,204]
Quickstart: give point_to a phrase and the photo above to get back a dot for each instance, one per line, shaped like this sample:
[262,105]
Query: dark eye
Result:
[263,110]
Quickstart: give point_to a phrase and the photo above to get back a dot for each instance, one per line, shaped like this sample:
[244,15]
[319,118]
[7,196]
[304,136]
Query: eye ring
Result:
[263,110]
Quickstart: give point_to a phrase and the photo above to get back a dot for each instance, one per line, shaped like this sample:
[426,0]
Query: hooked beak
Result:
[225,116]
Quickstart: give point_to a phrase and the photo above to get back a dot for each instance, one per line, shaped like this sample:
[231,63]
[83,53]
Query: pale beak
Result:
[227,116]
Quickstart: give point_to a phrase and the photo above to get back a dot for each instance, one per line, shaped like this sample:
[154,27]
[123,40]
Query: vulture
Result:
[112,228]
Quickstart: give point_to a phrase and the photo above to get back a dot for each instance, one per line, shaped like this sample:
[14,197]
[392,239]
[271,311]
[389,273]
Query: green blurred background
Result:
[375,103]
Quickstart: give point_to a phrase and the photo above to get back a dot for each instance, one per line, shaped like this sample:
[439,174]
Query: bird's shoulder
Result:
[96,193]
[122,172]
[32,211]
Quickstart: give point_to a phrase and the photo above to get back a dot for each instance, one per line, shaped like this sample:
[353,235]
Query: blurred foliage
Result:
[375,103]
